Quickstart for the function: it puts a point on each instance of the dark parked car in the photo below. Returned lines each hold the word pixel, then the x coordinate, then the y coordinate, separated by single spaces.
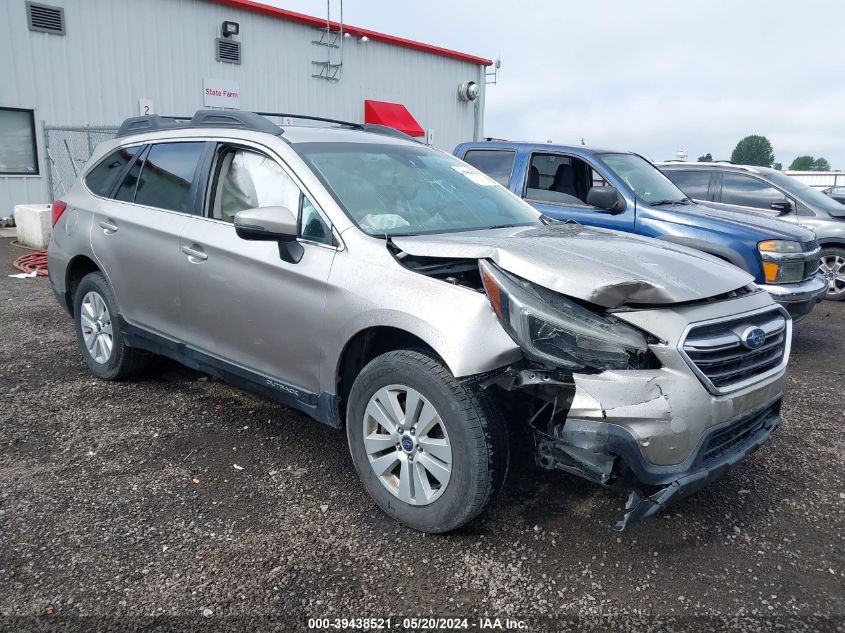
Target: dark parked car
pixel 765 192
pixel 837 193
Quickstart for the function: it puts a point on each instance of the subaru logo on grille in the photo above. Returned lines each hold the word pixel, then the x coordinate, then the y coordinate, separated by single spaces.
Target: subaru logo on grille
pixel 753 337
pixel 407 443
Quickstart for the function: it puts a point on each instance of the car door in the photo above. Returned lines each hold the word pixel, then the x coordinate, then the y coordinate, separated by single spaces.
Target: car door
pixel 557 184
pixel 745 192
pixel 135 233
pixel 243 304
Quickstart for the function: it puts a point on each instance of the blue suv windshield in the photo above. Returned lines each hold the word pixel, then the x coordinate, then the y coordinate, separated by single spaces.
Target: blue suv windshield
pixel 390 190
pixel 645 179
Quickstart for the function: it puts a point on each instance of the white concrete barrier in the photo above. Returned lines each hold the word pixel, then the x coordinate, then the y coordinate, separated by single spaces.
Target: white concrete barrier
pixel 34 223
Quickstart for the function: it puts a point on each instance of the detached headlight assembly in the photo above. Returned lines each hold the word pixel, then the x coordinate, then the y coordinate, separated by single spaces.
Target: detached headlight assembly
pixel 554 330
pixel 783 261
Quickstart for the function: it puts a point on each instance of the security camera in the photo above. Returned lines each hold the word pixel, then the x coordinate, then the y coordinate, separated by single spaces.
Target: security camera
pixel 468 91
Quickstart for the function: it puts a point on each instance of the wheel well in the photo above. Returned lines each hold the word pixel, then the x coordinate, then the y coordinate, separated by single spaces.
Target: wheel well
pixel 364 347
pixel 78 267
pixel 831 244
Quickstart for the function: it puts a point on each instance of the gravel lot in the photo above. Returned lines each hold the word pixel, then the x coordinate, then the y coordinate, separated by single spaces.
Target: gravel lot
pixel 179 497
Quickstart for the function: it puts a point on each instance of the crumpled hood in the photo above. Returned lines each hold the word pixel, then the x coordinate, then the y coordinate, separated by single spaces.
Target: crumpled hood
pixel 607 268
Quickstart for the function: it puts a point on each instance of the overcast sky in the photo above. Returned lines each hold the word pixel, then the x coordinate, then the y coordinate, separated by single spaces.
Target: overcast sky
pixel 650 76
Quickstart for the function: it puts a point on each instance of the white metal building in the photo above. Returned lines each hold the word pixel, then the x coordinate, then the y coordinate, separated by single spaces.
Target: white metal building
pixel 818 179
pixel 81 63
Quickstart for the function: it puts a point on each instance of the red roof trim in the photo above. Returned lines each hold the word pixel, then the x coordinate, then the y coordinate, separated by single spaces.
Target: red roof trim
pixel 293 16
pixel 393 115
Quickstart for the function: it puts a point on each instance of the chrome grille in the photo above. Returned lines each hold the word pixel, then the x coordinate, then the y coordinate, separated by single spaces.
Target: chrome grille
pixel 811 262
pixel 716 352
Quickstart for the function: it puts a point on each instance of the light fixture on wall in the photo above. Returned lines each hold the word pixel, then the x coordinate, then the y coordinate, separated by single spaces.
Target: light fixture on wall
pixel 364 39
pixel 228 29
pixel 468 91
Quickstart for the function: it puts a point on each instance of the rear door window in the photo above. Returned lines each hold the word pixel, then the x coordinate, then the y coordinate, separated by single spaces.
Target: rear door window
pixel 498 164
pixel 102 179
pixel 746 191
pixel 167 175
pixel 693 183
pixel 126 191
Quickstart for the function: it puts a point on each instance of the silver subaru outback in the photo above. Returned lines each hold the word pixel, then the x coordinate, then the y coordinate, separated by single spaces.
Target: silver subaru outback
pixel 387 288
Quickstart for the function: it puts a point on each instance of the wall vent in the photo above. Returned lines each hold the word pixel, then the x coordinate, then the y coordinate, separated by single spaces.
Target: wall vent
pixel 228 51
pixel 45 18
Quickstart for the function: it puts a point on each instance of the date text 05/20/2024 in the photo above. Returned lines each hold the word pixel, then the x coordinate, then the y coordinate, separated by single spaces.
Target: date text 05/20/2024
pixel 411 624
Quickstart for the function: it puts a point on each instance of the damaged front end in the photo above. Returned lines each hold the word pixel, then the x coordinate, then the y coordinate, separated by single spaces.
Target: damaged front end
pixel 601 405
pixel 603 449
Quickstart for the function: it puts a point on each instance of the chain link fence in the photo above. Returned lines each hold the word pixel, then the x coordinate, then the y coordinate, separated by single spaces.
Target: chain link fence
pixel 68 149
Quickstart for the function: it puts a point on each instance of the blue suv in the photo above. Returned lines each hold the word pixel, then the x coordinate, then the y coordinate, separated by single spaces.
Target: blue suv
pixel 625 192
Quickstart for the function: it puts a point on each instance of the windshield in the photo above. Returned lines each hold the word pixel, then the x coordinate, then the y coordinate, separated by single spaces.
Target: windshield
pixel 644 178
pixel 805 193
pixel 400 190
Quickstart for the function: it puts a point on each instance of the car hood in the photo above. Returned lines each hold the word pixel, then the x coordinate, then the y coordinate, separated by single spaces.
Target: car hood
pixel 764 226
pixel 607 268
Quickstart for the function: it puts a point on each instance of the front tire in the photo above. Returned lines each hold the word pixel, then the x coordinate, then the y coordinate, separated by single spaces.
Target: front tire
pixel 96 319
pixel 833 269
pixel 432 451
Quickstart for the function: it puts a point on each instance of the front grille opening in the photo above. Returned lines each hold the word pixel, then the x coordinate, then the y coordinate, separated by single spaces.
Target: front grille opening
pixel 720 354
pixel 735 435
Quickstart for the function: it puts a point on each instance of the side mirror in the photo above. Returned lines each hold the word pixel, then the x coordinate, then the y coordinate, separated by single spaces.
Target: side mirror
pixel 604 199
pixel 276 224
pixel 783 206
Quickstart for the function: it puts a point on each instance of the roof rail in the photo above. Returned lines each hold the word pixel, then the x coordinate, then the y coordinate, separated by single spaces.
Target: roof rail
pixel 234 118
pixel 149 123
pixel 239 119
pixel 202 118
pixel 375 128
pixel 309 117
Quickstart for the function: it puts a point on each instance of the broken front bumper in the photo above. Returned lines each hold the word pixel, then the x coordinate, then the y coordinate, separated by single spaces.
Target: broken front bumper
pixel 661 432
pixel 603 452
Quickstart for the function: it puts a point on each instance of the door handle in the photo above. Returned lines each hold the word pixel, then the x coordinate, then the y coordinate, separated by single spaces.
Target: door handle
pixel 194 252
pixel 108 226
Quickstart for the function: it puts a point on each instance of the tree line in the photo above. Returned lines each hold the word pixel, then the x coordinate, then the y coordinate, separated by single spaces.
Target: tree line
pixel 757 150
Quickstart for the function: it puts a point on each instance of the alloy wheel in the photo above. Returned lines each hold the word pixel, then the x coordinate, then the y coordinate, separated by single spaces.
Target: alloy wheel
pixel 832 269
pixel 96 324
pixel 407 444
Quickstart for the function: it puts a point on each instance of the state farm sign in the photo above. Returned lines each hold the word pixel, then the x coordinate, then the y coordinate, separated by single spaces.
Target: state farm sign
pixel 217 93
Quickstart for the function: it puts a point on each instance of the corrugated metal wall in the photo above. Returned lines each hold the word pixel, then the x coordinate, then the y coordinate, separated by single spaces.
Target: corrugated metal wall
pixel 116 52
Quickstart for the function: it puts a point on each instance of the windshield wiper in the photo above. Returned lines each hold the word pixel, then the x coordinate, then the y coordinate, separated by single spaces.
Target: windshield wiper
pixel 662 202
pixel 502 226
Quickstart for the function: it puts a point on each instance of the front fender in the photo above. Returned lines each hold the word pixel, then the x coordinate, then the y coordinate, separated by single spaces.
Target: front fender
pixel 456 322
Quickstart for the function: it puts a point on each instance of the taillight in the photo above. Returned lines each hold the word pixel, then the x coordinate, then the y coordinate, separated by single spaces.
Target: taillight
pixel 58 208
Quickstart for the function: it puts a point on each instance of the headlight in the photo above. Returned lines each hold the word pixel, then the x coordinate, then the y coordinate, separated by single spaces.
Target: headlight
pixel 782 261
pixel 552 329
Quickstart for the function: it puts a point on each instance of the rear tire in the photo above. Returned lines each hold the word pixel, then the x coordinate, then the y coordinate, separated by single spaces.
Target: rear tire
pixel 96 319
pixel 833 268
pixel 455 427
